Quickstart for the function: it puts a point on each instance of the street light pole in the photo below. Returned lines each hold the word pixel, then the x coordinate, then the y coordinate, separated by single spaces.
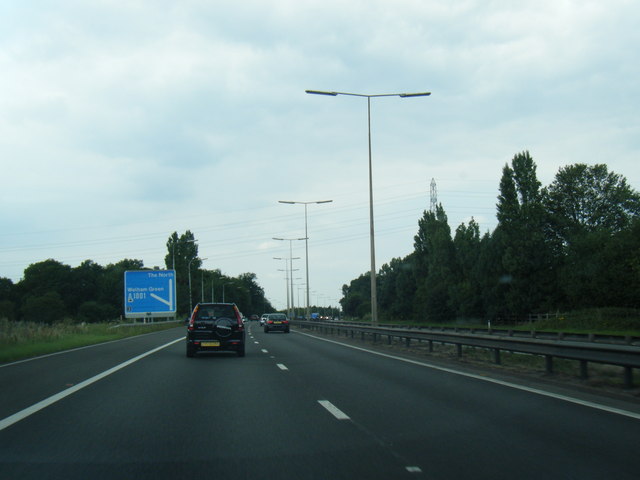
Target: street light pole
pixel 374 300
pixel 292 259
pixel 286 276
pixel 306 242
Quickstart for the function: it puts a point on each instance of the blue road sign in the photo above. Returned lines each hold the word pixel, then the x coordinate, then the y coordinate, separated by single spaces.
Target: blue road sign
pixel 149 293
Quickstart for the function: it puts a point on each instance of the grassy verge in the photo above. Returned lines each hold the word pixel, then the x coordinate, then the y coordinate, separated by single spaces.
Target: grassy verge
pixel 19 340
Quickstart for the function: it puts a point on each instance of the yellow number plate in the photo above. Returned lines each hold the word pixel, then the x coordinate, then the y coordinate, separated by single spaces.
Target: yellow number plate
pixel 210 344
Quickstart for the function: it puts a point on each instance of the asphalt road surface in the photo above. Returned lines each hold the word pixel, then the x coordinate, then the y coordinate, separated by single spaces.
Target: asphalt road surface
pixel 296 407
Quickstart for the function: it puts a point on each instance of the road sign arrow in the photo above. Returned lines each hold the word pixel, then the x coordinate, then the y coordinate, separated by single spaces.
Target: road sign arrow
pixel 168 302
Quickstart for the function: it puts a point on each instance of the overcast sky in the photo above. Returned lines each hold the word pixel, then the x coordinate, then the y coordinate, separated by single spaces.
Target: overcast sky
pixel 124 121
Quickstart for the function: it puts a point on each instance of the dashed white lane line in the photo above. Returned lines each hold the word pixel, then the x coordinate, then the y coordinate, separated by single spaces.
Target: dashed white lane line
pixel 16 417
pixel 412 469
pixel 264 350
pixel 282 366
pixel 333 410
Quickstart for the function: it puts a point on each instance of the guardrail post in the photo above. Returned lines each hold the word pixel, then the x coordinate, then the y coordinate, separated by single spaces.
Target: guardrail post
pixel 459 349
pixel 548 360
pixel 628 377
pixel 430 346
pixel 407 342
pixel 389 337
pixel 362 336
pixel 496 356
pixel 584 369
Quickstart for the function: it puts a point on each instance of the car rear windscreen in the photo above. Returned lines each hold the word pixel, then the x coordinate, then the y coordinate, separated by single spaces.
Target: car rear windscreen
pixel 216 311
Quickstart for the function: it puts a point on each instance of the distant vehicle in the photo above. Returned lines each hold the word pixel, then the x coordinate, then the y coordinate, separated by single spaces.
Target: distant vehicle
pixel 215 327
pixel 253 317
pixel 276 322
pixel 263 319
pixel 315 316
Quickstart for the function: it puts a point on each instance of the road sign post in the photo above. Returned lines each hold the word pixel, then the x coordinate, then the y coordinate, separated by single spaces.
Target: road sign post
pixel 149 293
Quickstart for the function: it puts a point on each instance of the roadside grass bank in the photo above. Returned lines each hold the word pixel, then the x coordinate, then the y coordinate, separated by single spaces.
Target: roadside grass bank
pixel 20 340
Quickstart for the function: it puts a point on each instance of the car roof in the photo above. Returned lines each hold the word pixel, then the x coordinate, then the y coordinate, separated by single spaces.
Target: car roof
pixel 209 304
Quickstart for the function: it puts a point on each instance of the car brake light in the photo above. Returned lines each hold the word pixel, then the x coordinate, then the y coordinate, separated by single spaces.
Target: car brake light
pixel 239 319
pixel 270 321
pixel 192 319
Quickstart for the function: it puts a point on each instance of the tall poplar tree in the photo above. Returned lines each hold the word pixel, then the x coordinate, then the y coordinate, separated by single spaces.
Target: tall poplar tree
pixel 436 266
pixel 526 257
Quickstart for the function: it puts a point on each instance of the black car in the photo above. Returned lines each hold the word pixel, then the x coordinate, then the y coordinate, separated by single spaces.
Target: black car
pixel 276 322
pixel 215 327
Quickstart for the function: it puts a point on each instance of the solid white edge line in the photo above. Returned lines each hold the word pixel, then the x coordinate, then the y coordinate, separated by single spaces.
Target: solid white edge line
pixel 557 396
pixel 21 415
pixel 333 410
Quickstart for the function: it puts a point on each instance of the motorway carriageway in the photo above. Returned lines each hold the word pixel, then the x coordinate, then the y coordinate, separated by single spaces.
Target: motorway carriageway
pixel 296 407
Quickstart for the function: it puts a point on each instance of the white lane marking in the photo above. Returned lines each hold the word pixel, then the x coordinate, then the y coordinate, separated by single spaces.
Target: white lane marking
pixel 412 469
pixel 333 410
pixel 21 415
pixel 281 366
pixel 257 343
pixel 264 350
pixel 557 396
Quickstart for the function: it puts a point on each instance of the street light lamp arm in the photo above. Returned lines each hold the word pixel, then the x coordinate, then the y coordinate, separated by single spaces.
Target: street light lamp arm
pixel 291 202
pixel 319 92
pixel 423 94
pixel 403 95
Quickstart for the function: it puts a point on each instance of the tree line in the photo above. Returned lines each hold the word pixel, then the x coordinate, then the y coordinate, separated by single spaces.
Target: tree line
pixel 51 291
pixel 569 246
